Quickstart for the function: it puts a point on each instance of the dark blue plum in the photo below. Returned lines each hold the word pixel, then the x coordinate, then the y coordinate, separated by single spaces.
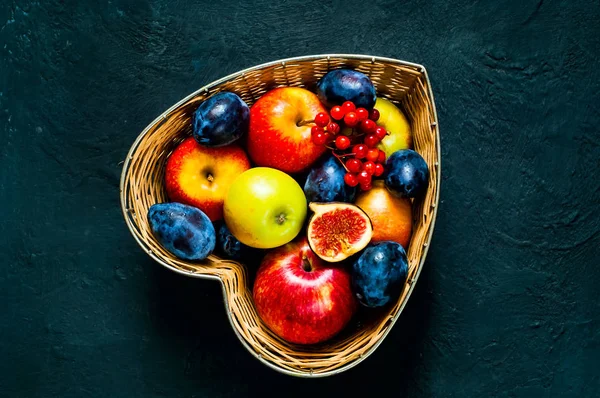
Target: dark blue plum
pixel 407 174
pixel 183 230
pixel 227 245
pixel 379 274
pixel 325 182
pixel 220 120
pixel 341 85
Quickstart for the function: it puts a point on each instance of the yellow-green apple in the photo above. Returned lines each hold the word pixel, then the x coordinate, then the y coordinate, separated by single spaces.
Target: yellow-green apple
pixel 279 132
pixel 200 176
pixel 394 121
pixel 264 208
pixel 391 216
pixel 301 298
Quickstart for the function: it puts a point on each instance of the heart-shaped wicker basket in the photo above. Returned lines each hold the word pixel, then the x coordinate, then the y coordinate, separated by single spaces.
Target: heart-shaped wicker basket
pixel 142 185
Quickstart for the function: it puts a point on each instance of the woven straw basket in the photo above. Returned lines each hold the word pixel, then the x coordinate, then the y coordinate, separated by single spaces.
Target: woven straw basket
pixel 142 185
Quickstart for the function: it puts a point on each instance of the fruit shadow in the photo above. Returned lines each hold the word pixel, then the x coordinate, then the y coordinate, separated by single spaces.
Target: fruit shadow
pixel 189 327
pixel 190 323
pixel 397 363
pixel 182 306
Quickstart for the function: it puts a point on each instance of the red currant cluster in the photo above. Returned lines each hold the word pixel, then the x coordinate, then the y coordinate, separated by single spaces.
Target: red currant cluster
pixel 354 147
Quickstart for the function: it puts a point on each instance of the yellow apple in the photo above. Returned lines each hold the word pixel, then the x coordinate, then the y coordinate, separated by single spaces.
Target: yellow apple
pixel 264 208
pixel 393 120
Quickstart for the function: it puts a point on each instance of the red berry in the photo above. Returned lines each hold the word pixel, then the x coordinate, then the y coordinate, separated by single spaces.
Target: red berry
pixel 319 138
pixel 364 177
pixel 351 179
pixel 362 114
pixel 366 186
pixel 329 137
pixel 321 119
pixel 360 151
pixel 342 142
pixel 350 119
pixel 381 158
pixel 333 128
pixel 368 126
pixel 378 170
pixel 374 115
pixel 348 107
pixel 354 165
pixel 316 129
pixel 369 167
pixel 337 113
pixel 380 132
pixel 371 140
pixel 373 154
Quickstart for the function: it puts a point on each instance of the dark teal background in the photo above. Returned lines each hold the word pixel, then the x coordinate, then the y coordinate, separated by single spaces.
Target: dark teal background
pixel 507 305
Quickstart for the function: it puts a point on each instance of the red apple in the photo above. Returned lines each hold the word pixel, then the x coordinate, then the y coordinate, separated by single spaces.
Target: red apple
pixel 279 132
pixel 200 176
pixel 301 298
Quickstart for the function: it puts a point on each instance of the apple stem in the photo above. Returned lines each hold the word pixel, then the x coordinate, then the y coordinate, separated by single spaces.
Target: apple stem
pixel 280 219
pixel 306 266
pixel 210 178
pixel 304 122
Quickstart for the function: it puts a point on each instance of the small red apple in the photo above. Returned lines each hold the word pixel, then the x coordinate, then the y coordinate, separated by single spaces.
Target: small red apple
pixel 301 298
pixel 279 131
pixel 200 176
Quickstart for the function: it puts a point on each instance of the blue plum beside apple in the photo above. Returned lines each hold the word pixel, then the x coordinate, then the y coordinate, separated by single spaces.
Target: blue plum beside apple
pixel 325 182
pixel 406 174
pixel 183 230
pixel 221 120
pixel 379 273
pixel 228 245
pixel 341 85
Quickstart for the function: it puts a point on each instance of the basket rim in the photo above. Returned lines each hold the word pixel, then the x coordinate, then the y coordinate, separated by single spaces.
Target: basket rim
pixel 163 116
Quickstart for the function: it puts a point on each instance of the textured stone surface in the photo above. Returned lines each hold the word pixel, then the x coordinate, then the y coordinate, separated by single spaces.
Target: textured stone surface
pixel 508 302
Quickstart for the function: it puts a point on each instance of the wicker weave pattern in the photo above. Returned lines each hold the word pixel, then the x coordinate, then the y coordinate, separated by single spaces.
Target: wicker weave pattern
pixel 142 186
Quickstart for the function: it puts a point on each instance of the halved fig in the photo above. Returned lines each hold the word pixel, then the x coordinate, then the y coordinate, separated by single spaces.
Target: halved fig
pixel 338 230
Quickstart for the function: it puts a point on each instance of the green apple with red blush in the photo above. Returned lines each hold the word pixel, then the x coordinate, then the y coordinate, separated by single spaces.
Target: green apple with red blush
pixel 200 176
